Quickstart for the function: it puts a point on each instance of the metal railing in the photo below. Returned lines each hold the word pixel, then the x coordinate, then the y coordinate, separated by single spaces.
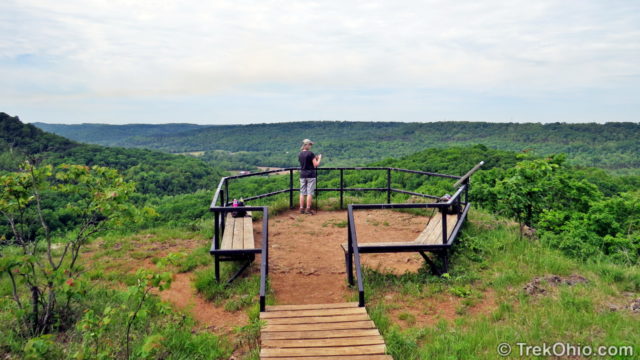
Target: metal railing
pixel 353 249
pixel 222 197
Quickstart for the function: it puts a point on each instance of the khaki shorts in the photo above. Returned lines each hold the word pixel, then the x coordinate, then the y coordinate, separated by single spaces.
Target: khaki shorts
pixel 307 186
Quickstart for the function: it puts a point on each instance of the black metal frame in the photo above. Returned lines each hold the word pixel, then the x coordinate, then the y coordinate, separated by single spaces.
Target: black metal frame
pixel 352 255
pixel 246 255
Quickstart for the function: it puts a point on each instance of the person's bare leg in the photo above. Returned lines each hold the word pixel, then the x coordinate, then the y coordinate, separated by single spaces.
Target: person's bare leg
pixel 301 202
pixel 309 202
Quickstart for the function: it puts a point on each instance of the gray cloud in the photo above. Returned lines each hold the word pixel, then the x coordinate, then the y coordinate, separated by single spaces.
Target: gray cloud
pixel 157 49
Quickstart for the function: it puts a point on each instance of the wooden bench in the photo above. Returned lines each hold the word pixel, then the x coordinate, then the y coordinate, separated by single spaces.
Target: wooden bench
pixel 430 239
pixel 238 243
pixel 238 233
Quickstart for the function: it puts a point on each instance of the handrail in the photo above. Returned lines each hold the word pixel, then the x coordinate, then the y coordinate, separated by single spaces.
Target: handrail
pixel 225 181
pixel 221 194
pixel 456 195
pixel 356 254
pixel 468 174
pixel 214 201
pixel 231 208
pixel 426 173
pixel 264 261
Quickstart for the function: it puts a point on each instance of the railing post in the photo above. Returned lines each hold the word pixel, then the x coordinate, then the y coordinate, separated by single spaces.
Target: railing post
pixel 316 193
pixel 466 191
pixel 444 225
pixel 216 243
pixel 388 186
pixel 226 191
pixel 290 188
pixel 264 261
pixel 221 223
pixel 349 254
pixel 341 189
pixel 265 216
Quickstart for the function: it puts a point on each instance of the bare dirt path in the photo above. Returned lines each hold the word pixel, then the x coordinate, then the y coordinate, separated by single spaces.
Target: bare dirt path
pixel 214 318
pixel 306 260
pixel 182 294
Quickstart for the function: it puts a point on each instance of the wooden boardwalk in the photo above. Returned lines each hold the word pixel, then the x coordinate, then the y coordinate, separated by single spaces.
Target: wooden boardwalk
pixel 341 331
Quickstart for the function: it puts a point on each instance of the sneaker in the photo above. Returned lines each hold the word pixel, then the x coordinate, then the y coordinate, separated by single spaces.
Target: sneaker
pixel 309 212
pixel 302 211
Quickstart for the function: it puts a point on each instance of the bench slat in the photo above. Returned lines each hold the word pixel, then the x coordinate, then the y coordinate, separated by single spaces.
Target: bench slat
pixel 238 233
pixel 249 242
pixel 432 232
pixel 227 238
pixel 238 229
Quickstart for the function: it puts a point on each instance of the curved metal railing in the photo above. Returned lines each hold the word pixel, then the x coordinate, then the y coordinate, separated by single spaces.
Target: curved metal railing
pixel 220 205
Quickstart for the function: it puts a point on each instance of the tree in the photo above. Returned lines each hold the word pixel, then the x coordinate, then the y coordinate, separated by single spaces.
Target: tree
pixel 535 186
pixel 43 274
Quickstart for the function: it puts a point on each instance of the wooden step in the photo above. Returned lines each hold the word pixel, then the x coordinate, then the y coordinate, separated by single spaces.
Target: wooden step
pixel 314 312
pixel 312 306
pixel 343 357
pixel 307 343
pixel 319 319
pixel 317 334
pixel 320 331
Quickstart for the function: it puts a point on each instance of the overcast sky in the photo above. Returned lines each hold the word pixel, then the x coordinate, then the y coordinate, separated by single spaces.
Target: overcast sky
pixel 221 62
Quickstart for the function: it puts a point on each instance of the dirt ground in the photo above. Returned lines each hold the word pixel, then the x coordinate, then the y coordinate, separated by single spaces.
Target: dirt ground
pixel 307 262
pixel 183 295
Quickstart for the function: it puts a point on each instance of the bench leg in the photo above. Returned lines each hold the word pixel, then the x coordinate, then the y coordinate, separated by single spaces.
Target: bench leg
pixel 243 268
pixel 445 261
pixel 216 262
pixel 348 261
pixel 431 264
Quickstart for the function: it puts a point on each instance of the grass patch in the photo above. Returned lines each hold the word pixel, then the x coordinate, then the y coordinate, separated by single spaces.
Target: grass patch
pixel 491 257
pixel 241 293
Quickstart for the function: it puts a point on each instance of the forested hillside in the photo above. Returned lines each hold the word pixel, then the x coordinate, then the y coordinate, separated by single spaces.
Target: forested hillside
pixel 154 172
pixel 110 135
pixel 142 223
pixel 612 146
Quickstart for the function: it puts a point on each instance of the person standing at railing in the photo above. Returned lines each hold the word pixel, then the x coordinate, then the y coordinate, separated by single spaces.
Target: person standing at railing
pixel 308 174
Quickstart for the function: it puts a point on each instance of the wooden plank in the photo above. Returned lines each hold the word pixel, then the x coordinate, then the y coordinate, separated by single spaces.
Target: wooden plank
pixel 238 229
pixel 316 312
pixel 434 226
pixel 325 351
pixel 317 334
pixel 227 238
pixel 452 221
pixel 345 357
pixel 248 233
pixel 312 306
pixel 319 319
pixel 324 326
pixel 309 343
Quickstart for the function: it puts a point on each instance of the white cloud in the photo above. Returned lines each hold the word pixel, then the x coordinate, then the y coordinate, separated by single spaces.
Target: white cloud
pixel 120 49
